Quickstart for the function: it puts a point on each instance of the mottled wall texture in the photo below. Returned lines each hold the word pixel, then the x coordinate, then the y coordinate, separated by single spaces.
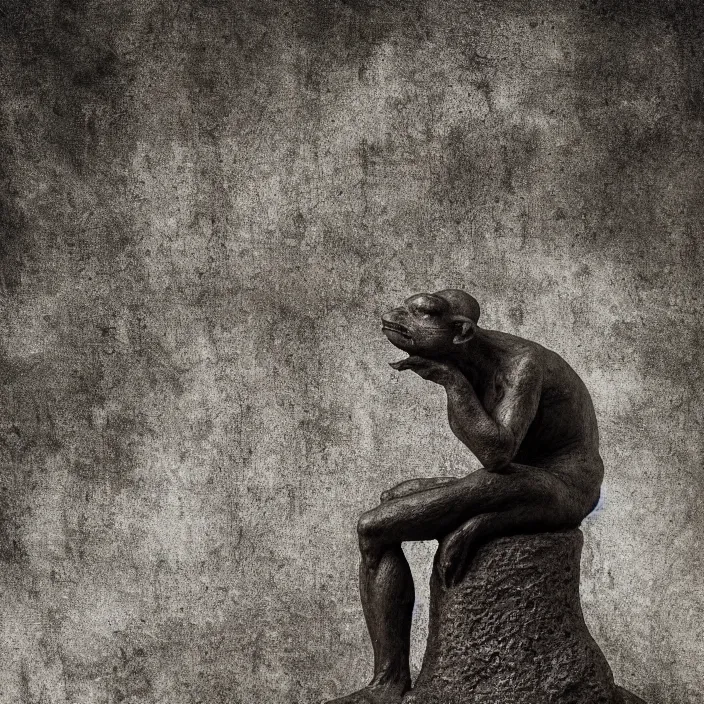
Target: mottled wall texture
pixel 205 206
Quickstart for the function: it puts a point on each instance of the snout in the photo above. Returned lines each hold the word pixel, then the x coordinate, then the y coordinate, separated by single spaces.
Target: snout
pixel 392 325
pixel 394 320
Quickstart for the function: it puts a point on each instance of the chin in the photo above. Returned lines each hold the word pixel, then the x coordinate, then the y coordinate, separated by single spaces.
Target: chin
pixel 397 339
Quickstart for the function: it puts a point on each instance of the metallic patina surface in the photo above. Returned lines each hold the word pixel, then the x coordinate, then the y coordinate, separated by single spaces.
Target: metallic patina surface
pixel 528 418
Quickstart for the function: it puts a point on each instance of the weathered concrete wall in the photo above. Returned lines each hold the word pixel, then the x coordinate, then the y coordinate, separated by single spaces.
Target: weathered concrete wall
pixel 205 207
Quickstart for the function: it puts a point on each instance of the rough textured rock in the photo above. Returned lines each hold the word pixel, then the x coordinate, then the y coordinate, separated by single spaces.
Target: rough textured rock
pixel 513 631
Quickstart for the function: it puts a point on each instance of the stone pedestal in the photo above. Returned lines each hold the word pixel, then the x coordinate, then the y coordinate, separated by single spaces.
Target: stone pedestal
pixel 513 632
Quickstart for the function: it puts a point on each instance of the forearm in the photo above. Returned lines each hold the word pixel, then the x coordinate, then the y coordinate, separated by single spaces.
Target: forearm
pixel 493 445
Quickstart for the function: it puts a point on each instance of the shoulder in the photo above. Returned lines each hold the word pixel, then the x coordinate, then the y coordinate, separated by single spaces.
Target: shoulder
pixel 529 361
pixel 523 371
pixel 520 361
pixel 526 370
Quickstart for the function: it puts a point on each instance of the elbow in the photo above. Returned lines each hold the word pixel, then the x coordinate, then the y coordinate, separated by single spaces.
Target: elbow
pixel 496 463
pixel 500 455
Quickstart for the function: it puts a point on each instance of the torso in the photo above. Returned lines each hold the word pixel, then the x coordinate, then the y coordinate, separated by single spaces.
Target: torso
pixel 563 436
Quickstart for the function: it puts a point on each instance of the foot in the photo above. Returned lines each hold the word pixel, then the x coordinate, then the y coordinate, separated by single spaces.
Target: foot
pixel 456 550
pixel 391 693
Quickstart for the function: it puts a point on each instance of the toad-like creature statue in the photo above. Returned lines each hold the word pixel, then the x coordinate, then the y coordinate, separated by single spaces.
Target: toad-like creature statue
pixel 528 418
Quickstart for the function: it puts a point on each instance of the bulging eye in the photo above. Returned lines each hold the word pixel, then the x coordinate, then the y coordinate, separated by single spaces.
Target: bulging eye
pixel 428 306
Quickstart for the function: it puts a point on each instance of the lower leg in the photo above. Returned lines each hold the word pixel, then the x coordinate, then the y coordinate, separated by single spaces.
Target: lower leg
pixel 386 589
pixel 387 594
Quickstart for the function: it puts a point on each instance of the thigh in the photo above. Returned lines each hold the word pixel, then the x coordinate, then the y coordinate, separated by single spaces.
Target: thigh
pixel 431 514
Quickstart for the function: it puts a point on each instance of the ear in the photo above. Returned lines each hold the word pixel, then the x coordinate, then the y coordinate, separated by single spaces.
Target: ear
pixel 465 328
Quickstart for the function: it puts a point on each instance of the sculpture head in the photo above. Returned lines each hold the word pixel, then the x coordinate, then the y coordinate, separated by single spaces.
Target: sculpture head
pixel 432 324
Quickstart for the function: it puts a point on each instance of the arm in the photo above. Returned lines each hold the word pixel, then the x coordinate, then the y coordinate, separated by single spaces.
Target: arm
pixel 494 439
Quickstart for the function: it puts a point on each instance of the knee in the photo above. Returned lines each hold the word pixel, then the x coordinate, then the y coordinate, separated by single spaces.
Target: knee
pixel 370 543
pixel 367 525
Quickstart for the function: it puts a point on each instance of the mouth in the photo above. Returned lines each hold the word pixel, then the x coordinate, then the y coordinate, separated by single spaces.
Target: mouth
pixel 388 326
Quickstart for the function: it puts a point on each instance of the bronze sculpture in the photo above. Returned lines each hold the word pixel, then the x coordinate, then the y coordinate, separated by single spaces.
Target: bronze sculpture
pixel 529 419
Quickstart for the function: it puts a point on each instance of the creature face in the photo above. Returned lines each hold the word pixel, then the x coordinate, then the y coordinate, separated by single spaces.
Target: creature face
pixel 427 325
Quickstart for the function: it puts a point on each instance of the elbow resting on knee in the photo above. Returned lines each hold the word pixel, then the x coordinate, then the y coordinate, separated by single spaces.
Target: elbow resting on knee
pixel 497 462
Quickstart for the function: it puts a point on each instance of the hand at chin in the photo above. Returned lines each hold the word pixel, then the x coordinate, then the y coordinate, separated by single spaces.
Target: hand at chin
pixel 430 369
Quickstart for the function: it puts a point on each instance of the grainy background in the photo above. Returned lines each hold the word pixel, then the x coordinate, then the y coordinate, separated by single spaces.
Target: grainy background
pixel 205 207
